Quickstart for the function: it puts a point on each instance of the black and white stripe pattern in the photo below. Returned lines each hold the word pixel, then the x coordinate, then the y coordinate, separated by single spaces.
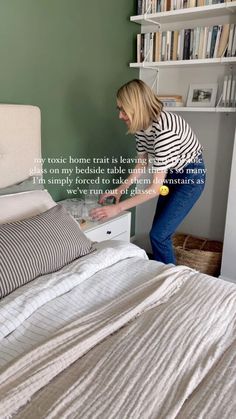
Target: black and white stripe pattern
pixel 169 141
pixel 37 246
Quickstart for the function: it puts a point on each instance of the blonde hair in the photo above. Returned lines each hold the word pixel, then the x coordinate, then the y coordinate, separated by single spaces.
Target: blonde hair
pixel 140 104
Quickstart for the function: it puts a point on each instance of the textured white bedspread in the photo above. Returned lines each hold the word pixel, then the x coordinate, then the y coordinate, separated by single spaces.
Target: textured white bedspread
pixel 33 312
pixel 163 348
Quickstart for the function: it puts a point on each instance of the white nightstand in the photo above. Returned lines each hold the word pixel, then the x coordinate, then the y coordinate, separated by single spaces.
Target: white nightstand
pixel 116 228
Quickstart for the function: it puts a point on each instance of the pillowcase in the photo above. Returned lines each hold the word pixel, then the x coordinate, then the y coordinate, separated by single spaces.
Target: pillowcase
pixel 30 184
pixel 23 205
pixel 38 246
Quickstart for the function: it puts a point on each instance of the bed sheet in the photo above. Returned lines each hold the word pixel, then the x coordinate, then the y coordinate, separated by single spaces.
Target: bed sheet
pixel 148 341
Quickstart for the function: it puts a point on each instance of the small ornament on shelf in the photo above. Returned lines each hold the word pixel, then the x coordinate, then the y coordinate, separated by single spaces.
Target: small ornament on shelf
pixel 171 100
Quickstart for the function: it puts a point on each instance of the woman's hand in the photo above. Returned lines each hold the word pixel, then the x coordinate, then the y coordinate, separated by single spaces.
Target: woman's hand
pixel 116 194
pixel 106 211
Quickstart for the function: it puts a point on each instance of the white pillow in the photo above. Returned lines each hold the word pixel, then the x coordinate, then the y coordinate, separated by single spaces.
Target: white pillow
pixel 18 206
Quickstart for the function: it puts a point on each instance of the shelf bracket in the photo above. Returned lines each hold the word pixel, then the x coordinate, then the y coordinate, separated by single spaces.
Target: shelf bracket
pixel 146 57
pixel 155 83
pixel 147 19
pixel 151 21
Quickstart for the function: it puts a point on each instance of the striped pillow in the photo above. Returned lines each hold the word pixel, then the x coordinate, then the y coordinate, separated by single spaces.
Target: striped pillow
pixel 37 246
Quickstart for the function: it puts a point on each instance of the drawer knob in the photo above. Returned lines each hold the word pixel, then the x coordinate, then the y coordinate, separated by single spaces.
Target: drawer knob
pixel 109 232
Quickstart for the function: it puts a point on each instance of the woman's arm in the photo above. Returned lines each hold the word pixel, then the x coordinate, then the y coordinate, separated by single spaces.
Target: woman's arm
pixel 150 192
pixel 132 178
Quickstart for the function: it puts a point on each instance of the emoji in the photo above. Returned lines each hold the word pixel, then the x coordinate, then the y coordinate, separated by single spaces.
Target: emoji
pixel 164 190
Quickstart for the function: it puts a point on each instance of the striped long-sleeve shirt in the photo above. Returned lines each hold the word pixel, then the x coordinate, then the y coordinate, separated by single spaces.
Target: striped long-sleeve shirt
pixel 170 142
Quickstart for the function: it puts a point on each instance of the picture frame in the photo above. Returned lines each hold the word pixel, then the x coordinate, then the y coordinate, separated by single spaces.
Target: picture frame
pixel 202 95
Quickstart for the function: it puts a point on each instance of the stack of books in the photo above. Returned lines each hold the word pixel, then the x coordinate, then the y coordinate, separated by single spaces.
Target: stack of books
pixel 171 100
pixel 228 96
pixel 186 44
pixel 157 6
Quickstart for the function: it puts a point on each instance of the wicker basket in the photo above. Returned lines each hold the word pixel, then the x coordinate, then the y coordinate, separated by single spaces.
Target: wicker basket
pixel 201 254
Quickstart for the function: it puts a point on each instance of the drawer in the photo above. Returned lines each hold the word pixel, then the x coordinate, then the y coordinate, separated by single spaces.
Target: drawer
pixel 117 228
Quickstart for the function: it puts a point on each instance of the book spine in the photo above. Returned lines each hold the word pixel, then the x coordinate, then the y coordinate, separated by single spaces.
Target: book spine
pixel 168 45
pixel 139 48
pixel 224 90
pixel 213 40
pixel 233 52
pixel 233 92
pixel 151 47
pixel 230 42
pixel 142 54
pixel 201 42
pixel 196 42
pixel 186 47
pixel 208 48
pixel 223 40
pixel 228 91
pixel 139 7
pixel 206 30
pixel 217 41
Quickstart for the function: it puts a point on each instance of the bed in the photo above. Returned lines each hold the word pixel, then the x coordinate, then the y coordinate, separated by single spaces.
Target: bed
pixel 107 333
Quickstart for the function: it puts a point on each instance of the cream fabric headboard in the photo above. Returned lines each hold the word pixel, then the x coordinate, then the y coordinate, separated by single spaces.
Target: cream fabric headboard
pixel 20 142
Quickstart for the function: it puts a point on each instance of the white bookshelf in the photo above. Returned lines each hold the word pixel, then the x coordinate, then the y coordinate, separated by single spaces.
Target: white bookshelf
pixel 180 63
pixel 214 126
pixel 193 13
pixel 199 109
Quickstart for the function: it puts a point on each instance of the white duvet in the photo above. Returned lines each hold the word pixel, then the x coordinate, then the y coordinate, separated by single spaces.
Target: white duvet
pixel 157 342
pixel 41 307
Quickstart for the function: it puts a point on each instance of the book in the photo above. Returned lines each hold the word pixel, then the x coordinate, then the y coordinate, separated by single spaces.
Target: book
pixel 233 93
pixel 157 53
pixel 142 56
pixel 213 40
pixel 208 47
pixel 180 45
pixel 139 7
pixel 223 40
pixel 225 82
pixel 186 46
pixel 168 45
pixel 206 30
pixel 151 47
pixel 228 90
pixel 170 97
pixel 201 43
pixel 175 45
pixel 233 52
pixel 139 48
pixel 163 46
pixel 219 32
pixel 171 100
pixel 230 41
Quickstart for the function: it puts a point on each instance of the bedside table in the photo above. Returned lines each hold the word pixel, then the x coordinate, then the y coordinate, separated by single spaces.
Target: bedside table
pixel 116 228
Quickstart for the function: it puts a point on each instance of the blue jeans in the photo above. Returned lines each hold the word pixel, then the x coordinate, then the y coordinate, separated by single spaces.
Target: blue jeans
pixel 185 187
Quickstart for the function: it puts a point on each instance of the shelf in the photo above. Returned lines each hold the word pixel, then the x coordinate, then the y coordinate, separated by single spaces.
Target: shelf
pixel 222 9
pixel 180 63
pixel 200 109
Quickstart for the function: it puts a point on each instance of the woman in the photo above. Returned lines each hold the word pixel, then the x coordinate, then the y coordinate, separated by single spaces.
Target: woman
pixel 177 163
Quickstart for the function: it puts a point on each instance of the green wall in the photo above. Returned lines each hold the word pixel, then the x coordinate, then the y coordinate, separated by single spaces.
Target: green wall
pixel 69 57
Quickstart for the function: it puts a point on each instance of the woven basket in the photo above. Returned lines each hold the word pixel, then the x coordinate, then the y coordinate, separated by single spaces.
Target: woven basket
pixel 201 254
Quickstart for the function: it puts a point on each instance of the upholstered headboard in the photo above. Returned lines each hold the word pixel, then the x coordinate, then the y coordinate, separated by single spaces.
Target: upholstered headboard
pixel 20 142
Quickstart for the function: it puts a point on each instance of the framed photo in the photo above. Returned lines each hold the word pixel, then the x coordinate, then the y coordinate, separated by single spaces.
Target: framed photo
pixel 202 95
